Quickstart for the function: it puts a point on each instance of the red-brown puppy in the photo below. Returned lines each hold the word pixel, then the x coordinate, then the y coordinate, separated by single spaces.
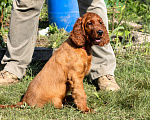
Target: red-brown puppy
pixel 67 67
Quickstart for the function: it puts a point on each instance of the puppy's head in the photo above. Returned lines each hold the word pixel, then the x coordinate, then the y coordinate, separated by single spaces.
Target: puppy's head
pixel 89 27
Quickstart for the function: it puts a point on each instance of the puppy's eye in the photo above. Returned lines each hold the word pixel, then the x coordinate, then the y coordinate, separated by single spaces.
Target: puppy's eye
pixel 89 23
pixel 100 22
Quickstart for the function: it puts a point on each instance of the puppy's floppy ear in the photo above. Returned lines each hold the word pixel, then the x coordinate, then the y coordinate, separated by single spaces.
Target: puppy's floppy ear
pixel 77 34
pixel 105 39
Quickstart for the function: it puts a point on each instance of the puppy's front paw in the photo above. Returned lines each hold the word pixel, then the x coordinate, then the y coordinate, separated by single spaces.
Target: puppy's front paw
pixel 87 110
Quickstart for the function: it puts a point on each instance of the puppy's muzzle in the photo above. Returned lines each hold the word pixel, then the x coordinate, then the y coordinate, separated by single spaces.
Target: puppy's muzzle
pixel 100 32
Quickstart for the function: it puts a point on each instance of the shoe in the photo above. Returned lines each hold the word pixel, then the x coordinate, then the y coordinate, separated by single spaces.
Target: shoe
pixel 7 78
pixel 108 83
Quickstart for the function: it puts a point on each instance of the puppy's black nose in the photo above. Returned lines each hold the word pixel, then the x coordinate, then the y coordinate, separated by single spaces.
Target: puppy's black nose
pixel 99 32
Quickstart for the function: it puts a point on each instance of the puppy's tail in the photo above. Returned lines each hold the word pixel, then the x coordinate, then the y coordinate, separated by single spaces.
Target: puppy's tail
pixel 18 105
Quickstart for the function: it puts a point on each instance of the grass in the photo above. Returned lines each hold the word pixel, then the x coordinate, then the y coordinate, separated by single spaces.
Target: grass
pixel 52 40
pixel 131 102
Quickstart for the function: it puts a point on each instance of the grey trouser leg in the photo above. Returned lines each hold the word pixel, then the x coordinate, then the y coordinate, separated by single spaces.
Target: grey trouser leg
pixel 22 35
pixel 103 60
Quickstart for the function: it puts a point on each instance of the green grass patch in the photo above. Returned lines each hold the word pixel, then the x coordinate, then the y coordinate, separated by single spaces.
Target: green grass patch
pixel 131 102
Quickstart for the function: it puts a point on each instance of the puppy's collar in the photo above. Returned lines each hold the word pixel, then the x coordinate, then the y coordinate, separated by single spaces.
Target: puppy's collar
pixel 83 48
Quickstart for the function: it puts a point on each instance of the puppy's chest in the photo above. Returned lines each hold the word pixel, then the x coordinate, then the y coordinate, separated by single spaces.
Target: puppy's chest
pixel 88 64
pixel 85 60
pixel 78 61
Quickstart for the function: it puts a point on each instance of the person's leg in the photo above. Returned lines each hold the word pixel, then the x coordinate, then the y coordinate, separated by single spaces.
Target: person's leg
pixel 22 36
pixel 103 59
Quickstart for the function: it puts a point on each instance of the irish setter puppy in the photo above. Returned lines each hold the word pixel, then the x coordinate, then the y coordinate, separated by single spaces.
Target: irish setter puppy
pixel 67 67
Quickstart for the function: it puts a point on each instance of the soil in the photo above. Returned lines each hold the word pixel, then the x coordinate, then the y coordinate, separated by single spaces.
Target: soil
pixel 41 42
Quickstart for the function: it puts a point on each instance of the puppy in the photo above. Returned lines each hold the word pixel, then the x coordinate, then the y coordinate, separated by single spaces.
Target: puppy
pixel 67 67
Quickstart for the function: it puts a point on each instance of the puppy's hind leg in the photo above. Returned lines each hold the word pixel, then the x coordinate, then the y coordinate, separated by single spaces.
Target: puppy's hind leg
pixel 57 102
